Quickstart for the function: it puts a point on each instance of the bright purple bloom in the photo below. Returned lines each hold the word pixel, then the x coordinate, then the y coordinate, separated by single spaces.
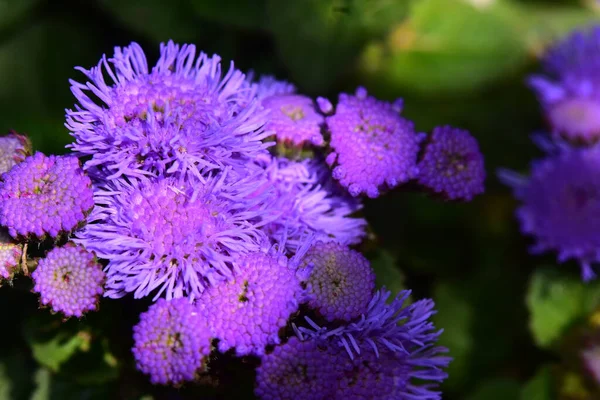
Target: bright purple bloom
pixel 173 237
pixel 171 342
pixel 342 281
pixel 45 195
pixel 452 164
pixel 247 312
pixel 13 149
pixel 561 205
pixel 10 255
pixel 297 370
pixel 69 280
pixel 373 146
pixel 268 86
pixel 387 329
pixel 182 116
pixel 294 119
pixel 569 90
pixel 309 203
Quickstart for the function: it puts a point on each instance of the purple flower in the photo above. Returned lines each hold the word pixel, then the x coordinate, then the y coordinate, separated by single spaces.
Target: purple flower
pixel 372 146
pixel 268 86
pixel 569 90
pixel 247 312
pixel 183 116
pixel 452 164
pixel 294 119
pixel 171 342
pixel 392 330
pixel 342 281
pixel 296 370
pixel 13 149
pixel 10 255
pixel 69 280
pixel 45 195
pixel 561 205
pixel 307 202
pixel 173 237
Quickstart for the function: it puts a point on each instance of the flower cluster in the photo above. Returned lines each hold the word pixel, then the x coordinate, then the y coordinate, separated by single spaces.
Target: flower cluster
pixel 231 204
pixel 560 199
pixel 13 149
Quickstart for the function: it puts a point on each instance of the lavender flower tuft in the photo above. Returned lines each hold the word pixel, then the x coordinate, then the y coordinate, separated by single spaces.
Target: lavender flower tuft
pixel 342 281
pixel 247 312
pixel 10 256
pixel 45 195
pixel 13 149
pixel 372 146
pixel 69 280
pixel 171 342
pixel 452 164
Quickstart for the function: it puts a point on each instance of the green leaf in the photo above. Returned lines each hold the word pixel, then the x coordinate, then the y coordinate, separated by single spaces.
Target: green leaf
pixel 239 13
pixel 43 380
pixel 556 302
pixel 448 46
pixel 157 19
pixel 497 389
pixel 5 382
pixel 59 349
pixel 387 272
pixel 540 387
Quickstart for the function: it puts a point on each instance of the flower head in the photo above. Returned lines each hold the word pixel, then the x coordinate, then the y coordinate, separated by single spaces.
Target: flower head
pixel 268 86
pixel 247 312
pixel 569 90
pixel 13 149
pixel 561 205
pixel 173 237
pixel 70 280
pixel 342 281
pixel 452 164
pixel 394 333
pixel 171 342
pixel 294 119
pixel 307 202
pixel 296 370
pixel 45 195
pixel 373 147
pixel 182 116
pixel 10 255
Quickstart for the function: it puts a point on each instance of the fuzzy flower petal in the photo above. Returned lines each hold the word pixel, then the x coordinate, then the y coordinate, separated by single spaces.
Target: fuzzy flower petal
pixel 561 205
pixel 171 342
pixel 247 312
pixel 45 195
pixel 182 116
pixel 10 255
pixel 268 86
pixel 452 164
pixel 13 149
pixel 342 281
pixel 69 280
pixel 168 237
pixel 294 119
pixel 373 147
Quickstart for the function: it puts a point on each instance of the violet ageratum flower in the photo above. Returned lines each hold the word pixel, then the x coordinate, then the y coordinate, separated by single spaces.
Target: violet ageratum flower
pixel 268 86
pixel 342 281
pixel 561 205
pixel 69 280
pixel 373 147
pixel 392 327
pixel 247 311
pixel 45 195
pixel 294 119
pixel 569 90
pixel 452 164
pixel 13 149
pixel 171 237
pixel 307 202
pixel 171 342
pixel 296 370
pixel 10 256
pixel 181 116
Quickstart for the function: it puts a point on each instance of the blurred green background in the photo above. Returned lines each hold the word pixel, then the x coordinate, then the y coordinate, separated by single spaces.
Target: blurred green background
pixel 515 324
